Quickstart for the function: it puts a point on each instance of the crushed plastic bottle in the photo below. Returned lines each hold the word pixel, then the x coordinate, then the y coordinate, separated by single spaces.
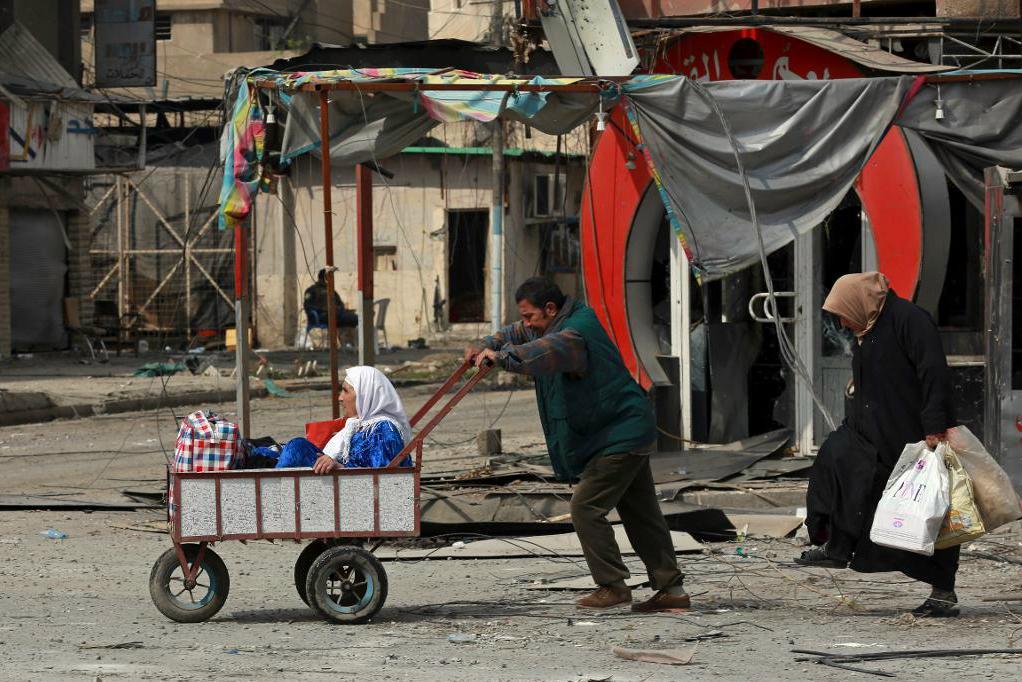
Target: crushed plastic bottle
pixel 54 534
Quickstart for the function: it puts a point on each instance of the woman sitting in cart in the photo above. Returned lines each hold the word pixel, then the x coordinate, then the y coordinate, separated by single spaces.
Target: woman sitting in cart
pixel 376 428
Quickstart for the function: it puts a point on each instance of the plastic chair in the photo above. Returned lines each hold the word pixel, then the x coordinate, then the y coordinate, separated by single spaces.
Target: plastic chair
pixel 380 325
pixel 313 321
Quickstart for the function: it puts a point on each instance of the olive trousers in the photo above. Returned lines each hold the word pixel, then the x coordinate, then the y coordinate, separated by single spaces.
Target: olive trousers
pixel 623 482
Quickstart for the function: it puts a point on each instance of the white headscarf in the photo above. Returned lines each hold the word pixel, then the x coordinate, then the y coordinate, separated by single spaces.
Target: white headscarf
pixel 375 401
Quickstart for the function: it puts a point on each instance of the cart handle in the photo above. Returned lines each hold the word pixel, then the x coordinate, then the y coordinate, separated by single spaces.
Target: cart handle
pixel 441 392
pixel 416 442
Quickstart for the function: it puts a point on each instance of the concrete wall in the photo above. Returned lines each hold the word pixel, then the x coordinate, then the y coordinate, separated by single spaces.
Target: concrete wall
pixel 410 214
pixel 468 19
pixel 987 9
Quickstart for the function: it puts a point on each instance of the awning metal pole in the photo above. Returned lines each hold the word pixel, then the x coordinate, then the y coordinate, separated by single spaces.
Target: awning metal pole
pixel 497 230
pixel 241 328
pixel 328 235
pixel 364 212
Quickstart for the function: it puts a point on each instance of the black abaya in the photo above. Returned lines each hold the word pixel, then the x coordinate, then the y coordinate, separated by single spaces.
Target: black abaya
pixel 902 393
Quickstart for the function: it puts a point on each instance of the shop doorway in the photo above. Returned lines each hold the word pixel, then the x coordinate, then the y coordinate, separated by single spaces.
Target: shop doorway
pixel 466 265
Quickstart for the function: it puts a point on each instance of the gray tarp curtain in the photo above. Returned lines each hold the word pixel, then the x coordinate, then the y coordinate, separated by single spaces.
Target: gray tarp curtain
pixel 802 145
pixel 363 127
pixel 982 127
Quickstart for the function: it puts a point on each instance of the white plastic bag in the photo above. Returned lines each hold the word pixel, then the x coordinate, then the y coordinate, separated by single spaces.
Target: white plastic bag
pixel 914 502
pixel 995 496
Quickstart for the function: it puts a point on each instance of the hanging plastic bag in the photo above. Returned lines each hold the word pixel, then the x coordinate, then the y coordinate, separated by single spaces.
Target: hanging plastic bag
pixel 915 501
pixel 963 522
pixel 996 499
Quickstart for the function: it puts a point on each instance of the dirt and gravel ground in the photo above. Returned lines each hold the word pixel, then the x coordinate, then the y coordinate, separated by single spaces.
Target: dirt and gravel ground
pixel 79 608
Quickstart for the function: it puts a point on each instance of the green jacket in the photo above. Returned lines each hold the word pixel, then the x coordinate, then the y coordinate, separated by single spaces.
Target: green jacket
pixel 599 410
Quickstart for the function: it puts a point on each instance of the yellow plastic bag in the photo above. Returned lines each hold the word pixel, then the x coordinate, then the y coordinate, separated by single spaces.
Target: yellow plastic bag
pixel 963 522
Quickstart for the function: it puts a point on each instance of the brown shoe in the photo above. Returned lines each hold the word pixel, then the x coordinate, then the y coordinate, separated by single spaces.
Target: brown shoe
pixel 663 601
pixel 605 597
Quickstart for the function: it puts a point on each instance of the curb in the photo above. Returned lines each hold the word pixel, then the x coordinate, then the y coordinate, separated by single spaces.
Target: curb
pixel 85 410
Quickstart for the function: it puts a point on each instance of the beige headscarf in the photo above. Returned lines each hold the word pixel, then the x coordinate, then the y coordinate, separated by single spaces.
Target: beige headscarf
pixel 859 298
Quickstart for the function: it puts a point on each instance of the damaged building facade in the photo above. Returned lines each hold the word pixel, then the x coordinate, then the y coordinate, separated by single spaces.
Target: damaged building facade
pixel 432 220
pixel 46 149
pixel 431 237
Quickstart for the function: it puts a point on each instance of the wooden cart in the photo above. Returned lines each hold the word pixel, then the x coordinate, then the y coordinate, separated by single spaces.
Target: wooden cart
pixel 340 512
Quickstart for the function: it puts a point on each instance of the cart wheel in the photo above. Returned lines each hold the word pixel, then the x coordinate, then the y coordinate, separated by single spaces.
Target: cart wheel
pixel 347 585
pixel 309 555
pixel 304 563
pixel 174 600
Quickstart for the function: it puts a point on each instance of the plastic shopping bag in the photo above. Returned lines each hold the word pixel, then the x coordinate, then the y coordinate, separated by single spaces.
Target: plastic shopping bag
pixel 995 496
pixel 915 501
pixel 963 522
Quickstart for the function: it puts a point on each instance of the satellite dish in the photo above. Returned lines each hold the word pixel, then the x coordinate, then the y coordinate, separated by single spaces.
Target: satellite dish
pixel 588 37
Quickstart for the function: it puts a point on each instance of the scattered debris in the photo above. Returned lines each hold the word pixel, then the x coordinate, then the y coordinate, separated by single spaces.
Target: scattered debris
pixel 580 583
pixel 562 545
pixel 903 619
pixel 144 527
pixel 842 660
pixel 273 389
pixel 46 503
pixel 119 645
pixel 770 525
pixel 716 462
pixel 664 656
pixel 307 369
pixel 993 557
pixel 462 638
pixel 858 645
pixel 160 369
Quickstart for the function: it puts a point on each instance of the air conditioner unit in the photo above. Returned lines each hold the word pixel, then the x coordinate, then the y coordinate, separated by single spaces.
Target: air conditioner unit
pixel 547 195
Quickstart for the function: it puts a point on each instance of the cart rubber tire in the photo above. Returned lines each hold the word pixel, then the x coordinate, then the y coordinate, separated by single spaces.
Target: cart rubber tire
pixel 309 555
pixel 213 568
pixel 347 585
pixel 304 563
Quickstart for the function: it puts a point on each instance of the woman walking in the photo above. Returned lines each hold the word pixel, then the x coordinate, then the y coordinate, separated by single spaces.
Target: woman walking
pixel 900 393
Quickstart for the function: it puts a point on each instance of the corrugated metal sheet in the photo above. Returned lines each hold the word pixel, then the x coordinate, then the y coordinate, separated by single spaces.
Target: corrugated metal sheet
pixel 24 57
pixel 51 135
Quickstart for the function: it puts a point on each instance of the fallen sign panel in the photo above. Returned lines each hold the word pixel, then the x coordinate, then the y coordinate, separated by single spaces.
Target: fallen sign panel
pixel 561 545
pixel 716 462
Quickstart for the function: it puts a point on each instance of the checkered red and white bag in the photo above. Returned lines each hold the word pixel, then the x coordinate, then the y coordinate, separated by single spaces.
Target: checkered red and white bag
pixel 205 442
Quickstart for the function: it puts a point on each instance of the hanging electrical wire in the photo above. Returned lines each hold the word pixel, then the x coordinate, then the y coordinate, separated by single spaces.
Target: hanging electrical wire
pixel 788 352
